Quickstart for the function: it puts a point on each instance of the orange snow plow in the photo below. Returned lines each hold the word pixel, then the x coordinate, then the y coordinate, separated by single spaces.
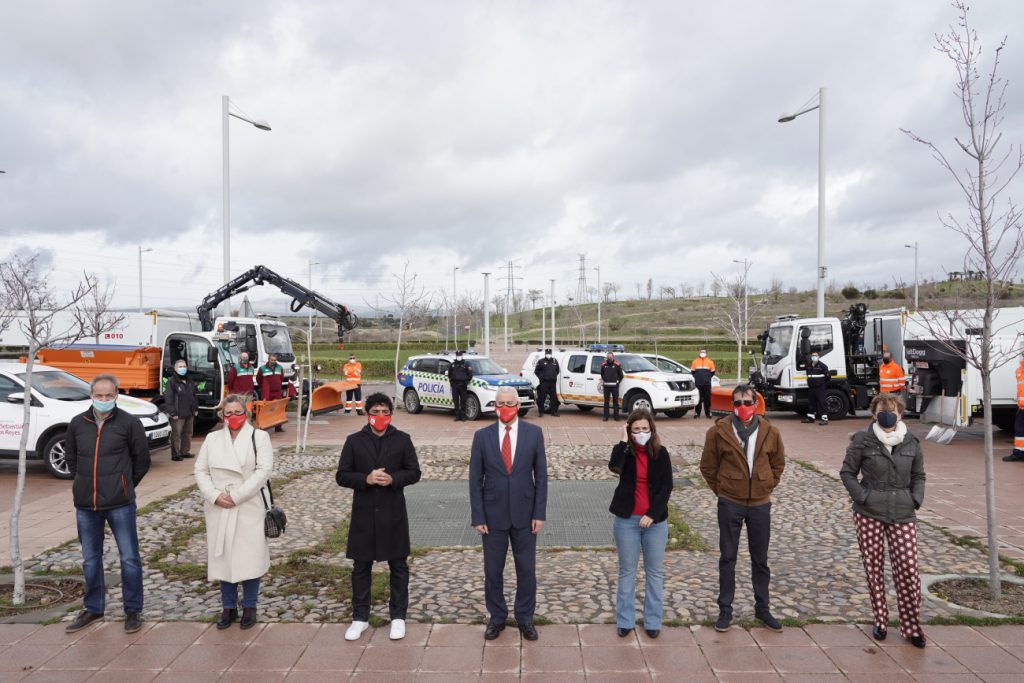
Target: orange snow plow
pixel 721 401
pixel 137 368
pixel 330 396
pixel 269 414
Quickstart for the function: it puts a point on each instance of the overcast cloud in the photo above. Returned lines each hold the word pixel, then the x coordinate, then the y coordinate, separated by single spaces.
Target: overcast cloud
pixel 471 133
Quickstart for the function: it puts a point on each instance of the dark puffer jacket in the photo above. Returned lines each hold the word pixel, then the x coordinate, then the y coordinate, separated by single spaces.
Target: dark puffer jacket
pixel 891 486
pixel 107 459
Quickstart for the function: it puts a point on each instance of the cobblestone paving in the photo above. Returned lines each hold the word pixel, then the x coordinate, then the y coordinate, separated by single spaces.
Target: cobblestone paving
pixel 816 570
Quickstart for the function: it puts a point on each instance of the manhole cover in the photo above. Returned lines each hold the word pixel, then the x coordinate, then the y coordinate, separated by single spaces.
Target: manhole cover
pixel 577 514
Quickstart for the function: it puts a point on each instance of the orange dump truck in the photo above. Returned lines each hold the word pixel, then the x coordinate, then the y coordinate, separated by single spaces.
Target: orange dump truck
pixel 136 367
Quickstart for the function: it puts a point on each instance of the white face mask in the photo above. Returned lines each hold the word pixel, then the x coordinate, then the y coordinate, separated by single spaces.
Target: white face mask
pixel 641 438
pixel 814 359
pixel 703 355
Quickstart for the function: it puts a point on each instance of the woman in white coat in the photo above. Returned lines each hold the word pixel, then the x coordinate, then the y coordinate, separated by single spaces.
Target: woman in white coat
pixel 233 466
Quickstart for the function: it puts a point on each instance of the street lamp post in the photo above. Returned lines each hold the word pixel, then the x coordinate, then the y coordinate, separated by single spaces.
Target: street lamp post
pixel 822 268
pixel 914 247
pixel 600 295
pixel 455 311
pixel 141 252
pixel 746 317
pixel 262 125
pixel 487 314
pixel 552 314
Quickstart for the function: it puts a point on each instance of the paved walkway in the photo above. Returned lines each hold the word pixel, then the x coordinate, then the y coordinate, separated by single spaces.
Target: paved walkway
pixel 195 653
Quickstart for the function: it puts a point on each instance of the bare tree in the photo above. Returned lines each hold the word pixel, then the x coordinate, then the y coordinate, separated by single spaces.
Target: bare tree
pixel 731 314
pixel 668 291
pixel 639 286
pixel 535 295
pixel 406 297
pixel 94 315
pixel 650 289
pixel 775 288
pixel 716 286
pixel 25 289
pixel 994 236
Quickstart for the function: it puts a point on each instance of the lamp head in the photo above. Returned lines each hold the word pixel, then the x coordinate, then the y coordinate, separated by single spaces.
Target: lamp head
pixel 262 125
pixel 786 118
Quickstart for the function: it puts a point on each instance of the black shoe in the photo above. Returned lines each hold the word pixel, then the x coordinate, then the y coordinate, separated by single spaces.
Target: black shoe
pixel 724 622
pixel 770 622
pixel 493 630
pixel 878 633
pixel 187 455
pixel 530 633
pixel 605 419
pixel 623 632
pixel 279 428
pixel 696 416
pixel 227 617
pixel 248 618
pixel 359 412
pixel 808 420
pixel 1016 456
pixel 708 416
pixel 824 422
pixel 82 620
pixel 652 632
pixel 132 622
pixel 918 642
pixel 616 418
pixel 176 458
pixel 456 419
pixel 556 414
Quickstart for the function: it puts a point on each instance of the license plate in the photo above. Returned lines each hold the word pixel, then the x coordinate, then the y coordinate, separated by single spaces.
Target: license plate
pixel 687 400
pixel 159 433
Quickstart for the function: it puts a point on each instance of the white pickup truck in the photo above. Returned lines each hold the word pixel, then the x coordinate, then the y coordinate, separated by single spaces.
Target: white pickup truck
pixel 644 385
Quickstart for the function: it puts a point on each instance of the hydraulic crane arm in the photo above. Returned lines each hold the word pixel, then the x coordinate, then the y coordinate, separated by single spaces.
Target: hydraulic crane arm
pixel 301 296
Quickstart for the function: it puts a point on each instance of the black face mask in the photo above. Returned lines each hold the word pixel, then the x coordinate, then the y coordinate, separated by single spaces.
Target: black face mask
pixel 271 365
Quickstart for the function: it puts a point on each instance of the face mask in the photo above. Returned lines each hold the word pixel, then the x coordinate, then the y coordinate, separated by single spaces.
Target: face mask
pixel 235 422
pixel 507 413
pixel 103 406
pixel 641 438
pixel 886 360
pixel 181 371
pixel 458 358
pixel 887 419
pixel 271 365
pixel 351 360
pixel 703 355
pixel 609 361
pixel 379 422
pixel 814 359
pixel 547 355
pixel 744 413
pixel 244 362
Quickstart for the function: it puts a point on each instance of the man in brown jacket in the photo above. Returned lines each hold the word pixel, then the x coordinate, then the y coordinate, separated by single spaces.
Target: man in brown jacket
pixel 742 462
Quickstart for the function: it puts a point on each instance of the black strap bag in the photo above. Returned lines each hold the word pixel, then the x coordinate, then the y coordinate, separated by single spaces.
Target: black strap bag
pixel 275 520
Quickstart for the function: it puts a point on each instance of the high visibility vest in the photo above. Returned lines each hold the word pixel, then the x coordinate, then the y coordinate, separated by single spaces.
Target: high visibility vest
pixel 702 364
pixel 353 371
pixel 1020 385
pixel 891 379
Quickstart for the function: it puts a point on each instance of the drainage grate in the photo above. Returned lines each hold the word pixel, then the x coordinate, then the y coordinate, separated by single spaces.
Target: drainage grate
pixel 577 514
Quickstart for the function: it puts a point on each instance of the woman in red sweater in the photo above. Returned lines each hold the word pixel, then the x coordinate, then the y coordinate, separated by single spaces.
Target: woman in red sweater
pixel 640 506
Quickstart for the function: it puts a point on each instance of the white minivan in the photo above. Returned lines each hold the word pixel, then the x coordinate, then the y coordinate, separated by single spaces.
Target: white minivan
pixel 56 398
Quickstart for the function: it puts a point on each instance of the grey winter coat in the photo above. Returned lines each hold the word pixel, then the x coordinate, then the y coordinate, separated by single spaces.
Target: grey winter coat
pixel 891 486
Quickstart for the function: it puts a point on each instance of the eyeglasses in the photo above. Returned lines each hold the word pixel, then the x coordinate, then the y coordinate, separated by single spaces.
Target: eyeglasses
pixel 747 402
pixel 641 431
pixel 380 412
pixel 507 404
pixel 234 414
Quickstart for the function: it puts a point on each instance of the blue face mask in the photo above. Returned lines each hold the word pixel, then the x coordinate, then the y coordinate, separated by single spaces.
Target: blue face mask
pixel 181 371
pixel 886 419
pixel 103 406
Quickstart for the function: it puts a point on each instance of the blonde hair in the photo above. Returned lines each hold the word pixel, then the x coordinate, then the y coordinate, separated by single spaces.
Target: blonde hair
pixel 234 398
pixel 891 402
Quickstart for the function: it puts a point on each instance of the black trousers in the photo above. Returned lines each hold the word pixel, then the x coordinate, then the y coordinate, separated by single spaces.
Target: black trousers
pixel 731 518
pixel 398 604
pixel 704 400
pixel 1018 431
pixel 816 402
pixel 613 392
pixel 459 390
pixel 524 554
pixel 546 390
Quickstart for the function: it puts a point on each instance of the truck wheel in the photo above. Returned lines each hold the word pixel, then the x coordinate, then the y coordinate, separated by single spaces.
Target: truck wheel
pixel 54 457
pixel 585 409
pixel 637 400
pixel 677 413
pixel 411 401
pixel 837 404
pixel 472 407
pixel 1003 419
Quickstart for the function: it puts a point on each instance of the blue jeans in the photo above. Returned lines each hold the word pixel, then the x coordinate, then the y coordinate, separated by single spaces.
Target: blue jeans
pixel 250 593
pixel 90 534
pixel 630 539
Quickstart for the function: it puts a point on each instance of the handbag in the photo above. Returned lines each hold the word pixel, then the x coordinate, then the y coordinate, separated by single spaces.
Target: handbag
pixel 274 521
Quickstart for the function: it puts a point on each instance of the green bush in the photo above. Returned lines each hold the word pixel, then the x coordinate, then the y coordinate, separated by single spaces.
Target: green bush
pixel 851 293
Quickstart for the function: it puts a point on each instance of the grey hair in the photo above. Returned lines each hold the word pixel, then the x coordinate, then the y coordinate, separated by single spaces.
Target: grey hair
pixel 506 390
pixel 105 378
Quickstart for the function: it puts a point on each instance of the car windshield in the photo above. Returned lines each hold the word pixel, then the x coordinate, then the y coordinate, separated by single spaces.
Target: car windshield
pixel 779 339
pixel 636 364
pixel 58 385
pixel 277 342
pixel 484 366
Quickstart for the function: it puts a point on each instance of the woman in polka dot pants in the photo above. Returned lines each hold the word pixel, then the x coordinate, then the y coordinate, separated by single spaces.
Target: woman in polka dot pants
pixel 884 474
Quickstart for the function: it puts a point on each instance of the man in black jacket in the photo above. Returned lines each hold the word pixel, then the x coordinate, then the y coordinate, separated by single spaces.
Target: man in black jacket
pixel 182 407
pixel 108 455
pixel 611 375
pixel 459 375
pixel 817 381
pixel 547 378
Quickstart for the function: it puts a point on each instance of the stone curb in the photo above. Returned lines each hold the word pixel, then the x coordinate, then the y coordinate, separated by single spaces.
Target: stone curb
pixel 39 616
pixel 928 580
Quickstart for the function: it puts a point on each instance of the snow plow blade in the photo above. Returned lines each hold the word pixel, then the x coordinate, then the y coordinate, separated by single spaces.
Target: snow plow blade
pixel 330 396
pixel 269 414
pixel 721 401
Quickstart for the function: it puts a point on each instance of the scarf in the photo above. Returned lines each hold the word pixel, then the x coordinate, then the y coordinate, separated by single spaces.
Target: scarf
pixel 745 430
pixel 890 439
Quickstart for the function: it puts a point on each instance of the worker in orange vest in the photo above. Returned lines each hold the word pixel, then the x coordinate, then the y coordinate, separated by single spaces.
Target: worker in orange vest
pixel 703 369
pixel 891 379
pixel 1018 422
pixel 353 371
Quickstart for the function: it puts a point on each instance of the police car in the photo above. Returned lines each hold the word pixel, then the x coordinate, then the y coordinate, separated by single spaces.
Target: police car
pixel 56 398
pixel 423 383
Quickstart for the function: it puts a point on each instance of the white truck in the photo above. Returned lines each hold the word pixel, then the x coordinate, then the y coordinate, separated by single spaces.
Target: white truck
pixel 851 347
pixel 136 329
pixel 643 386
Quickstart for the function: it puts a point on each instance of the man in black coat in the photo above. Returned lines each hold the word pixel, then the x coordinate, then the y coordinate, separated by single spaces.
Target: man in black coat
pixel 182 407
pixel 459 375
pixel 378 462
pixel 108 455
pixel 611 376
pixel 547 379
pixel 817 381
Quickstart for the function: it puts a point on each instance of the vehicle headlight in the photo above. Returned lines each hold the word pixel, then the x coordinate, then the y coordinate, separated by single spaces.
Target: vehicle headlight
pixel 662 385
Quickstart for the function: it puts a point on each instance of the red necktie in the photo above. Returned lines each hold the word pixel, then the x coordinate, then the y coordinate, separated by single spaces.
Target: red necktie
pixel 506 450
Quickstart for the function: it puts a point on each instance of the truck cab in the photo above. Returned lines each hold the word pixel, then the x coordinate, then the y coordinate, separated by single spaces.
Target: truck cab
pixel 260 337
pixel 208 355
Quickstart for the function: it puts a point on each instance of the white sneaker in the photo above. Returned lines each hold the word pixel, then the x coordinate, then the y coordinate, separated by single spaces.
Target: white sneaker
pixel 397 629
pixel 356 630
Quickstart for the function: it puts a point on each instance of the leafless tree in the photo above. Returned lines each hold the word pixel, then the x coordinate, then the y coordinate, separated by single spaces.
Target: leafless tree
pixel 991 226
pixel 639 286
pixel 668 291
pixel 25 290
pixel 535 295
pixel 406 297
pixel 732 313
pixel 775 288
pixel 650 289
pixel 94 316
pixel 611 290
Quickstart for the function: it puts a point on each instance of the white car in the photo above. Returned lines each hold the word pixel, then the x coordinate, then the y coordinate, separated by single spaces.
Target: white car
pixel 423 383
pixel 56 398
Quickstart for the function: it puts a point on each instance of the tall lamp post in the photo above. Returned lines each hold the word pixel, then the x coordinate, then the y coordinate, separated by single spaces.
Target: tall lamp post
pixel 455 310
pixel 600 295
pixel 262 125
pixel 487 314
pixel 914 247
pixel 141 252
pixel 822 268
pixel 746 317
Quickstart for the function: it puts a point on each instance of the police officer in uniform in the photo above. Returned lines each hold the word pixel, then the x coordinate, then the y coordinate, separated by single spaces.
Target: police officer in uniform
pixel 459 375
pixel 611 375
pixel 817 380
pixel 547 375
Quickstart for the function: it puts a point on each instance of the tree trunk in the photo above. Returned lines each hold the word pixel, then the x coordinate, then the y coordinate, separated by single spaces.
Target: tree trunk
pixel 994 580
pixel 15 538
pixel 398 346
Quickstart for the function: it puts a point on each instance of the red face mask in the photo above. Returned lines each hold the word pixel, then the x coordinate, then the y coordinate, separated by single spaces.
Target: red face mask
pixel 744 413
pixel 235 422
pixel 379 422
pixel 507 413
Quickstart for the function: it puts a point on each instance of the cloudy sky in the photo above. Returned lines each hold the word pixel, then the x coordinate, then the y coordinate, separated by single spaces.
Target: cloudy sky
pixel 448 133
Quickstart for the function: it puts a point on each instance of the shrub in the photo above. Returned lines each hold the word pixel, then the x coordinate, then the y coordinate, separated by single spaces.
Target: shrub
pixel 851 292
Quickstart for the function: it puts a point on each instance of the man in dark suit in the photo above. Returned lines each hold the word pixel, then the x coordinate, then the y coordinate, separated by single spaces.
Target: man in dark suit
pixel 508 492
